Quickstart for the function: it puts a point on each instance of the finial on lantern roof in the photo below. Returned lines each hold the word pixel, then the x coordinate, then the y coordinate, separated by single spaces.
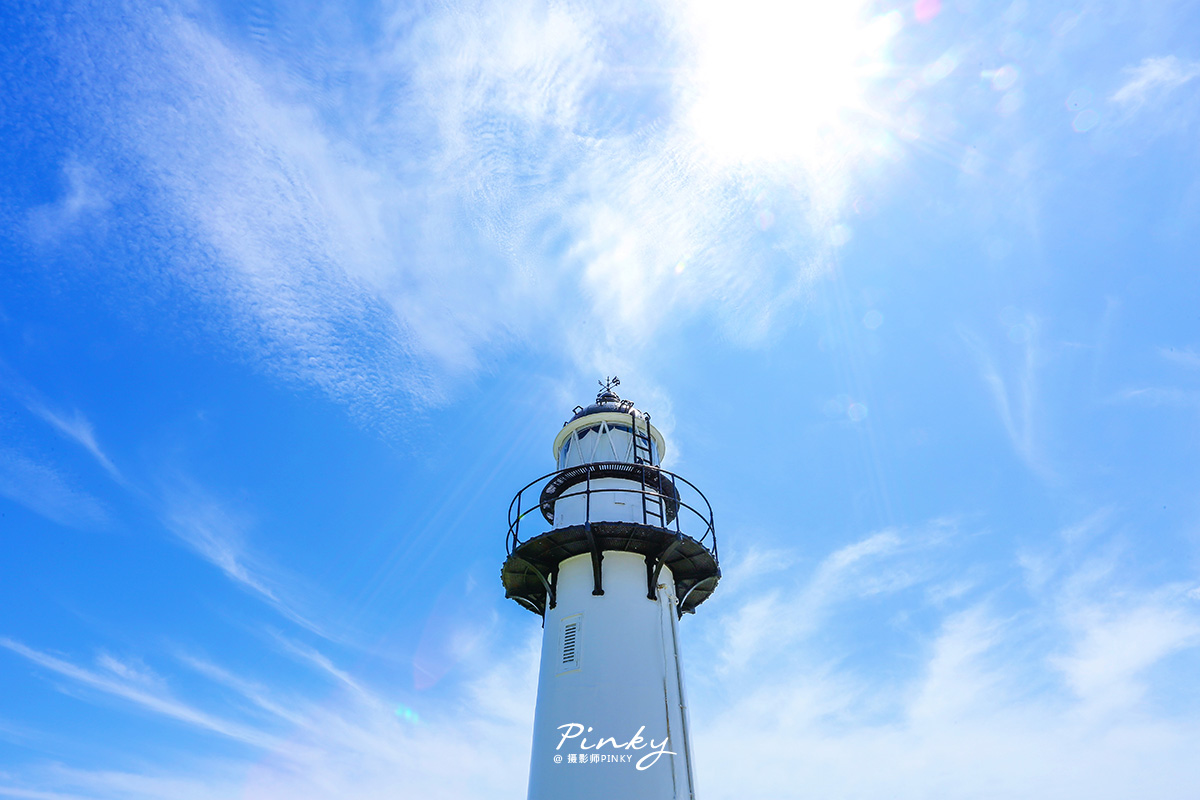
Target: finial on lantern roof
pixel 607 395
pixel 607 401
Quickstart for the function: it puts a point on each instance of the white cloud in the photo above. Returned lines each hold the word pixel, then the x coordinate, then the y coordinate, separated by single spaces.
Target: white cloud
pixel 1183 356
pixel 1053 698
pixel 77 428
pixel 74 426
pixel 353 743
pixel 957 678
pixel 136 691
pixel 1161 396
pixel 1015 391
pixel 291 239
pixel 192 515
pixel 314 658
pixel 1155 76
pixel 43 490
pixel 84 199
pixel 378 244
pixel 34 794
pixel 257 693
pixel 971 702
pixel 1114 646
pixel 753 632
pixel 217 535
pixel 133 672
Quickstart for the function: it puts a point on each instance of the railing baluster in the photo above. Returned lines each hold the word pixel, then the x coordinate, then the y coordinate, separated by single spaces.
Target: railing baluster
pixel 678 510
pixel 646 493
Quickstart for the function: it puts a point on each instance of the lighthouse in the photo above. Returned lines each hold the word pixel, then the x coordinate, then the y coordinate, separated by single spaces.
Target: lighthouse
pixel 610 550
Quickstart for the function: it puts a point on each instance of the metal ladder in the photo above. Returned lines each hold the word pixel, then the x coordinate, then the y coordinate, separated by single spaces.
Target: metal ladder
pixel 652 502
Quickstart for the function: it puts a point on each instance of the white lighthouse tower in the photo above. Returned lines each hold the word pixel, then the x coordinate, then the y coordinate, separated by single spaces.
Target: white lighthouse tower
pixel 630 548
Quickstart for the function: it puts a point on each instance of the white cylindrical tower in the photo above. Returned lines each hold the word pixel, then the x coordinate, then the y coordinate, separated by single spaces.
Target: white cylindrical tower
pixel 630 549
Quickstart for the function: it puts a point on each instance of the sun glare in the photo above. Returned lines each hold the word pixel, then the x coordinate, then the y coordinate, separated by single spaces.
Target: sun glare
pixel 774 81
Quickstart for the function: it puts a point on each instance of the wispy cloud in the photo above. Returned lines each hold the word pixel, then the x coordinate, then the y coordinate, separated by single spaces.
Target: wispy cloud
pixel 140 692
pixel 257 693
pixel 77 428
pixel 43 490
pixel 74 425
pixel 1115 644
pixel 1183 356
pixel 1161 396
pixel 351 743
pixel 377 244
pixel 957 678
pixel 1155 76
pixel 868 567
pixel 1015 391
pixel 192 515
pixel 1052 698
pixel 295 239
pixel 217 535
pixel 315 658
pixel 83 199
pixel 1054 695
pixel 34 794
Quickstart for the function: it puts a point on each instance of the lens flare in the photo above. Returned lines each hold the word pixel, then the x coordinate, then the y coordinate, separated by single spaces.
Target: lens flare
pixel 1079 99
pixel 1085 120
pixel 926 10
pixel 774 81
pixel 408 715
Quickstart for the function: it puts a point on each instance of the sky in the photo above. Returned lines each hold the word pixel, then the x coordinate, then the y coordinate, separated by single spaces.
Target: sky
pixel 294 298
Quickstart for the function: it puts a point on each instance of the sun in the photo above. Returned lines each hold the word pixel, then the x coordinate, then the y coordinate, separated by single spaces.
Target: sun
pixel 781 81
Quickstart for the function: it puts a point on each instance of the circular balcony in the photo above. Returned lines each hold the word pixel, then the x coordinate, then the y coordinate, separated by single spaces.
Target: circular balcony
pixel 606 506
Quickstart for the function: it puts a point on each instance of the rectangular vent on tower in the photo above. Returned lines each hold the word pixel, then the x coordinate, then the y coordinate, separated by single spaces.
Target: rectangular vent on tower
pixel 570 643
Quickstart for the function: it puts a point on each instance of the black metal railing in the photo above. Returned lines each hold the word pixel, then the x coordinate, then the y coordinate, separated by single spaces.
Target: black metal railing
pixel 687 512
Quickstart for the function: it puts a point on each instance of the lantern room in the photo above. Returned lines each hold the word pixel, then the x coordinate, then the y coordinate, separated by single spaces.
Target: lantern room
pixel 605 431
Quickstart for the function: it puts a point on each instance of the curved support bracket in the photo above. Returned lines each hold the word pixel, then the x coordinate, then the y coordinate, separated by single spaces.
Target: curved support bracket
pixel 532 606
pixel 654 567
pixel 688 593
pixel 597 557
pixel 551 591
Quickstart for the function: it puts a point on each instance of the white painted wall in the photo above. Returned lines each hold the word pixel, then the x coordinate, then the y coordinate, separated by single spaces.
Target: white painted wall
pixel 627 676
pixel 612 500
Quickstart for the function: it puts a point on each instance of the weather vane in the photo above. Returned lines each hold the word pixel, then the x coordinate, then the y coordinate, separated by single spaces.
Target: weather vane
pixel 608 383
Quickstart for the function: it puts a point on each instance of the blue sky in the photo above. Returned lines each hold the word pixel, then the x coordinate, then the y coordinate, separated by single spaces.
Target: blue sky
pixel 294 297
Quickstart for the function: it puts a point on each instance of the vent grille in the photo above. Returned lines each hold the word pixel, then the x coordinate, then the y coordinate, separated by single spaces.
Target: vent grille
pixel 570 643
pixel 569 634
